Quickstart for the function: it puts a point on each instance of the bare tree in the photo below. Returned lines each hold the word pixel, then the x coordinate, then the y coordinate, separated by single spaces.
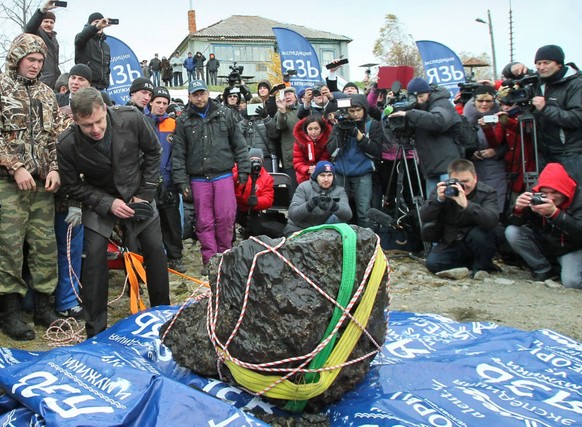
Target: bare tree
pixel 14 14
pixel 395 47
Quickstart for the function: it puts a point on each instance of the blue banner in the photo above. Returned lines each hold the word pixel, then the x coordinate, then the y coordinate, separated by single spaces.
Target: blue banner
pixel 297 54
pixel 124 68
pixel 442 66
pixel 431 371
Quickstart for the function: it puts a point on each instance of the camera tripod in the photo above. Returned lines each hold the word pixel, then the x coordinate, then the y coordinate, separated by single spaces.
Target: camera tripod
pixel 401 171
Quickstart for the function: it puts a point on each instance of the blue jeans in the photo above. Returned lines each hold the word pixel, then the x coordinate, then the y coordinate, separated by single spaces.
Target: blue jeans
pixel 359 189
pixel 525 243
pixel 68 284
pixel 156 78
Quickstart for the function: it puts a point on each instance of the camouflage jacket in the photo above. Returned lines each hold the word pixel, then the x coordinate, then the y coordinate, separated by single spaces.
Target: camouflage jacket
pixel 29 118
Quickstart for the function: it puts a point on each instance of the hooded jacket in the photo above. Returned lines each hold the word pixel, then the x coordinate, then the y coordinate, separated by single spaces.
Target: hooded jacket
pixel 50 70
pixel 560 121
pixel 92 49
pixel 303 144
pixel 435 133
pixel 562 233
pixel 350 156
pixel 29 119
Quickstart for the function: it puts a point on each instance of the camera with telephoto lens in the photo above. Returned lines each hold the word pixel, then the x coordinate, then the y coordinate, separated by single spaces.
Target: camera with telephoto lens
pixel 538 199
pixel 256 166
pixel 521 90
pixel 450 189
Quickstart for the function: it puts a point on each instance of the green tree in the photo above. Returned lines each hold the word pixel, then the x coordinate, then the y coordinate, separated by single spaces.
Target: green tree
pixel 394 47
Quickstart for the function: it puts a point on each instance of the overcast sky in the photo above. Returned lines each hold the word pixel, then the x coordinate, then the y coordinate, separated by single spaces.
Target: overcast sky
pixel 150 26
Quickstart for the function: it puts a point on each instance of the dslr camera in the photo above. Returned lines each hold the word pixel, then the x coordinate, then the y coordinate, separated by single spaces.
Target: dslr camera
pixel 538 199
pixel 521 90
pixel 316 90
pixel 256 166
pixel 450 189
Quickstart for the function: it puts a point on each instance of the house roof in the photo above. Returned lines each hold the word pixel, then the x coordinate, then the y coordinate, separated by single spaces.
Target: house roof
pixel 255 27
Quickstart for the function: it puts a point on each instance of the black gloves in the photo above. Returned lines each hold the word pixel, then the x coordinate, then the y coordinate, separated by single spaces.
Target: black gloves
pixel 261 112
pixel 243 177
pixel 186 193
pixel 253 200
pixel 312 203
pixel 324 202
pixel 354 131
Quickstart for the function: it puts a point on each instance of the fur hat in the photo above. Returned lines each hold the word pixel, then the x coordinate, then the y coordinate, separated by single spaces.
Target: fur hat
pixel 141 83
pixel 550 52
pixel 322 166
pixel 93 17
pixel 417 86
pixel 83 71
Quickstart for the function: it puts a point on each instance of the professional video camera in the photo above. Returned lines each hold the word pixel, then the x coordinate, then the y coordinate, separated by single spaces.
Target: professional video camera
pixel 400 102
pixel 467 90
pixel 521 90
pixel 234 78
pixel 288 73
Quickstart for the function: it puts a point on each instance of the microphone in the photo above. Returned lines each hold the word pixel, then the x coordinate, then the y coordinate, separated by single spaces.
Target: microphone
pixel 388 110
pixel 379 217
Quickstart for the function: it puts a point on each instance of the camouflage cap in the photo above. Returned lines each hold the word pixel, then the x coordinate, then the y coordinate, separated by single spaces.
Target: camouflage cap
pixel 24 44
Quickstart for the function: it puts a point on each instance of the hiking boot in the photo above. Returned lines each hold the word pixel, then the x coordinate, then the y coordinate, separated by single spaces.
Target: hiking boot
pixel 542 276
pixel 12 323
pixel 44 313
pixel 75 312
pixel 176 264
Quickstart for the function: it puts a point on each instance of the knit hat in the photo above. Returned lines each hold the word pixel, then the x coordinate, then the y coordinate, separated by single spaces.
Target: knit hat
pixel 351 84
pixel 255 152
pixel 290 89
pixel 49 15
pixel 161 92
pixel 197 85
pixel 93 17
pixel 485 90
pixel 265 83
pixel 417 86
pixel 141 83
pixel 82 70
pixel 322 166
pixel 550 52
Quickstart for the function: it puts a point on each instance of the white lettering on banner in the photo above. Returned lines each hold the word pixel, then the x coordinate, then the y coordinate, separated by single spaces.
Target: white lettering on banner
pixel 149 327
pixel 444 74
pixel 258 403
pixel 446 394
pixel 121 74
pixel 118 387
pixel 552 380
pixel 296 53
pixel 553 359
pixel 439 61
pixel 223 390
pixel 303 67
pixel 399 349
pixel 47 386
pixel 426 409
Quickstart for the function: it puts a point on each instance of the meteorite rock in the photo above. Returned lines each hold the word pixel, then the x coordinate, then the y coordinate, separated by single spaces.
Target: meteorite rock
pixel 284 316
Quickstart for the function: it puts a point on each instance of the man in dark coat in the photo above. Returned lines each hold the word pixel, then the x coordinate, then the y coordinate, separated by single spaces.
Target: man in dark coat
pixel 92 49
pixel 110 162
pixel 465 213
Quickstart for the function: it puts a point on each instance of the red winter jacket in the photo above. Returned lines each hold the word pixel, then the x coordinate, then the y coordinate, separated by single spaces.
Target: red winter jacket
pixel 264 190
pixel 510 135
pixel 302 144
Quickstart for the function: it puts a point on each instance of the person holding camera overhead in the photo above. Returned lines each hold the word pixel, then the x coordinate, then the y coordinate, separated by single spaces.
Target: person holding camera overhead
pixel 460 215
pixel 91 48
pixel 546 228
pixel 318 201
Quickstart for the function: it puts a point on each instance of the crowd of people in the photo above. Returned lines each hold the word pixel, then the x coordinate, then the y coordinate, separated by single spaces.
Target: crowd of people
pixel 76 169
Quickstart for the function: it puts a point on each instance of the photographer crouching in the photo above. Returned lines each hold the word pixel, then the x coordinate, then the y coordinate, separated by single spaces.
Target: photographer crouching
pixel 461 214
pixel 547 227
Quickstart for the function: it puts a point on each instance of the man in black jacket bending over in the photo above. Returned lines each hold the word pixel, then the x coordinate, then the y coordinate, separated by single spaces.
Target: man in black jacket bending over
pixel 466 213
pixel 110 162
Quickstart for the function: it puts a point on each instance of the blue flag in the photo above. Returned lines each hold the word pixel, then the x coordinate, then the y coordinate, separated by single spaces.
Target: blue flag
pixel 441 65
pixel 297 54
pixel 124 67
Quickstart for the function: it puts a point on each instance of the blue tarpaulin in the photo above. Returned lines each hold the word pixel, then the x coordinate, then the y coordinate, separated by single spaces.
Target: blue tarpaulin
pixel 431 371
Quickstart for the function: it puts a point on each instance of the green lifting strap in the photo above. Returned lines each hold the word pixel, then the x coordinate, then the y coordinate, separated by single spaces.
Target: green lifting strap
pixel 349 238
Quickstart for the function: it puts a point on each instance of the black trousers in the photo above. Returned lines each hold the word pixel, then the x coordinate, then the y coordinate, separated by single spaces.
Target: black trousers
pixel 95 273
pixel 171 224
pixel 475 251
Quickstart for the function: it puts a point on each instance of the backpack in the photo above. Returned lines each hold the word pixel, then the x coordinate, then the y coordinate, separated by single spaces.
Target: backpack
pixel 465 135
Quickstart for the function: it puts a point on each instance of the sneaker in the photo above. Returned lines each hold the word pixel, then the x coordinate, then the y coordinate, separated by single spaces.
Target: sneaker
pixel 176 264
pixel 75 312
pixel 542 276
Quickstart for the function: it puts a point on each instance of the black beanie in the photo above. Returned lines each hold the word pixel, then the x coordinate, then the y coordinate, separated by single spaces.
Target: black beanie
pixel 94 16
pixel 49 15
pixel 82 70
pixel 351 84
pixel 161 92
pixel 550 52
pixel 141 83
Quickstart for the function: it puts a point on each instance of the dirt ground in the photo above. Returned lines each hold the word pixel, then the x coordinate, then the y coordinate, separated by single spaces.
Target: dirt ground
pixel 508 298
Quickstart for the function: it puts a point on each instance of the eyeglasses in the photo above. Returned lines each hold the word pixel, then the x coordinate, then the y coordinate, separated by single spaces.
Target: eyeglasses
pixel 488 101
